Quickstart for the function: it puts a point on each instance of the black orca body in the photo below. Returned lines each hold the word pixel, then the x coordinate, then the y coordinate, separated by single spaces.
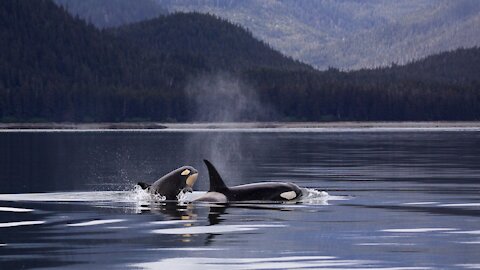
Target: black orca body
pixel 265 191
pixel 171 184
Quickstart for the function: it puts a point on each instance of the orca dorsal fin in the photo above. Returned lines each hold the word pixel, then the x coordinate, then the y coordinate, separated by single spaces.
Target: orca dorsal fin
pixel 143 185
pixel 216 181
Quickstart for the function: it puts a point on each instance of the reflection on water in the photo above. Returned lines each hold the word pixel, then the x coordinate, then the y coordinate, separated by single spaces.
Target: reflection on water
pixel 379 200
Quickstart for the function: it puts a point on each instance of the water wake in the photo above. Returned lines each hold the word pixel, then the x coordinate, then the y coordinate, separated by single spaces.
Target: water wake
pixel 140 197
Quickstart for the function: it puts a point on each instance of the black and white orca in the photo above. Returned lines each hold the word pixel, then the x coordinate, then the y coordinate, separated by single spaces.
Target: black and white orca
pixel 171 184
pixel 264 191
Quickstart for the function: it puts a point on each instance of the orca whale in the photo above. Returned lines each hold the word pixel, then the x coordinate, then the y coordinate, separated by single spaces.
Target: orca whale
pixel 264 191
pixel 171 184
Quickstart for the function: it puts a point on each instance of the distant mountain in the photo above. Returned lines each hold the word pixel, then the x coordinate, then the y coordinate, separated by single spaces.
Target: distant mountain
pixel 111 13
pixel 351 34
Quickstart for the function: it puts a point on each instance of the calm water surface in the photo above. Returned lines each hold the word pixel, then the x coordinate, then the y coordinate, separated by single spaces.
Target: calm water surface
pixel 396 200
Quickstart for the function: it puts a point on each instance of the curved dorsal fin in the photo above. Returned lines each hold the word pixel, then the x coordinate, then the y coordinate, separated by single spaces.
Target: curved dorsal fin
pixel 216 181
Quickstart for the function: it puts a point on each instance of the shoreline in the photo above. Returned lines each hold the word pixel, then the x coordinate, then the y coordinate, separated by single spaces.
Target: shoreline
pixel 430 125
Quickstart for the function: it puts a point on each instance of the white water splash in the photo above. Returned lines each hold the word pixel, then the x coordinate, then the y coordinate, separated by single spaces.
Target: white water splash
pixel 316 197
pixel 142 196
pixel 183 196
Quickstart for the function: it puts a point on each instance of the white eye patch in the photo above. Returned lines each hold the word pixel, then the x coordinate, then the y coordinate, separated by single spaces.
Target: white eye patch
pixel 186 172
pixel 289 195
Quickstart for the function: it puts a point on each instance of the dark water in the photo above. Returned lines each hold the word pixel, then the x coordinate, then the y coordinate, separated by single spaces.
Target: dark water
pixel 397 200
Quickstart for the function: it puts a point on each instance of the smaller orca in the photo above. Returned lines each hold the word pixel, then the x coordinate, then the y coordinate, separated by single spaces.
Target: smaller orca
pixel 171 184
pixel 265 191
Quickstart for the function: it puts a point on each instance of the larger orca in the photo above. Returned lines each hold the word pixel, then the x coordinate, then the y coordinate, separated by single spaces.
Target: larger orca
pixel 263 191
pixel 171 184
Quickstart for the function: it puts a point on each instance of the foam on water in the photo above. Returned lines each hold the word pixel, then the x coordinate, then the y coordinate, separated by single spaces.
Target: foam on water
pixel 317 197
pixel 313 196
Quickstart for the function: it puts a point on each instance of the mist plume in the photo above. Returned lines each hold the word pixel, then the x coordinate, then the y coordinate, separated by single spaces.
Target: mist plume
pixel 223 97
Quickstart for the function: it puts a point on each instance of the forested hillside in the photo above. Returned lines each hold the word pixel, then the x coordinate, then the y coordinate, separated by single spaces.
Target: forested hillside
pixel 57 68
pixel 194 67
pixel 440 87
pixel 351 34
pixel 209 40
pixel 50 61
